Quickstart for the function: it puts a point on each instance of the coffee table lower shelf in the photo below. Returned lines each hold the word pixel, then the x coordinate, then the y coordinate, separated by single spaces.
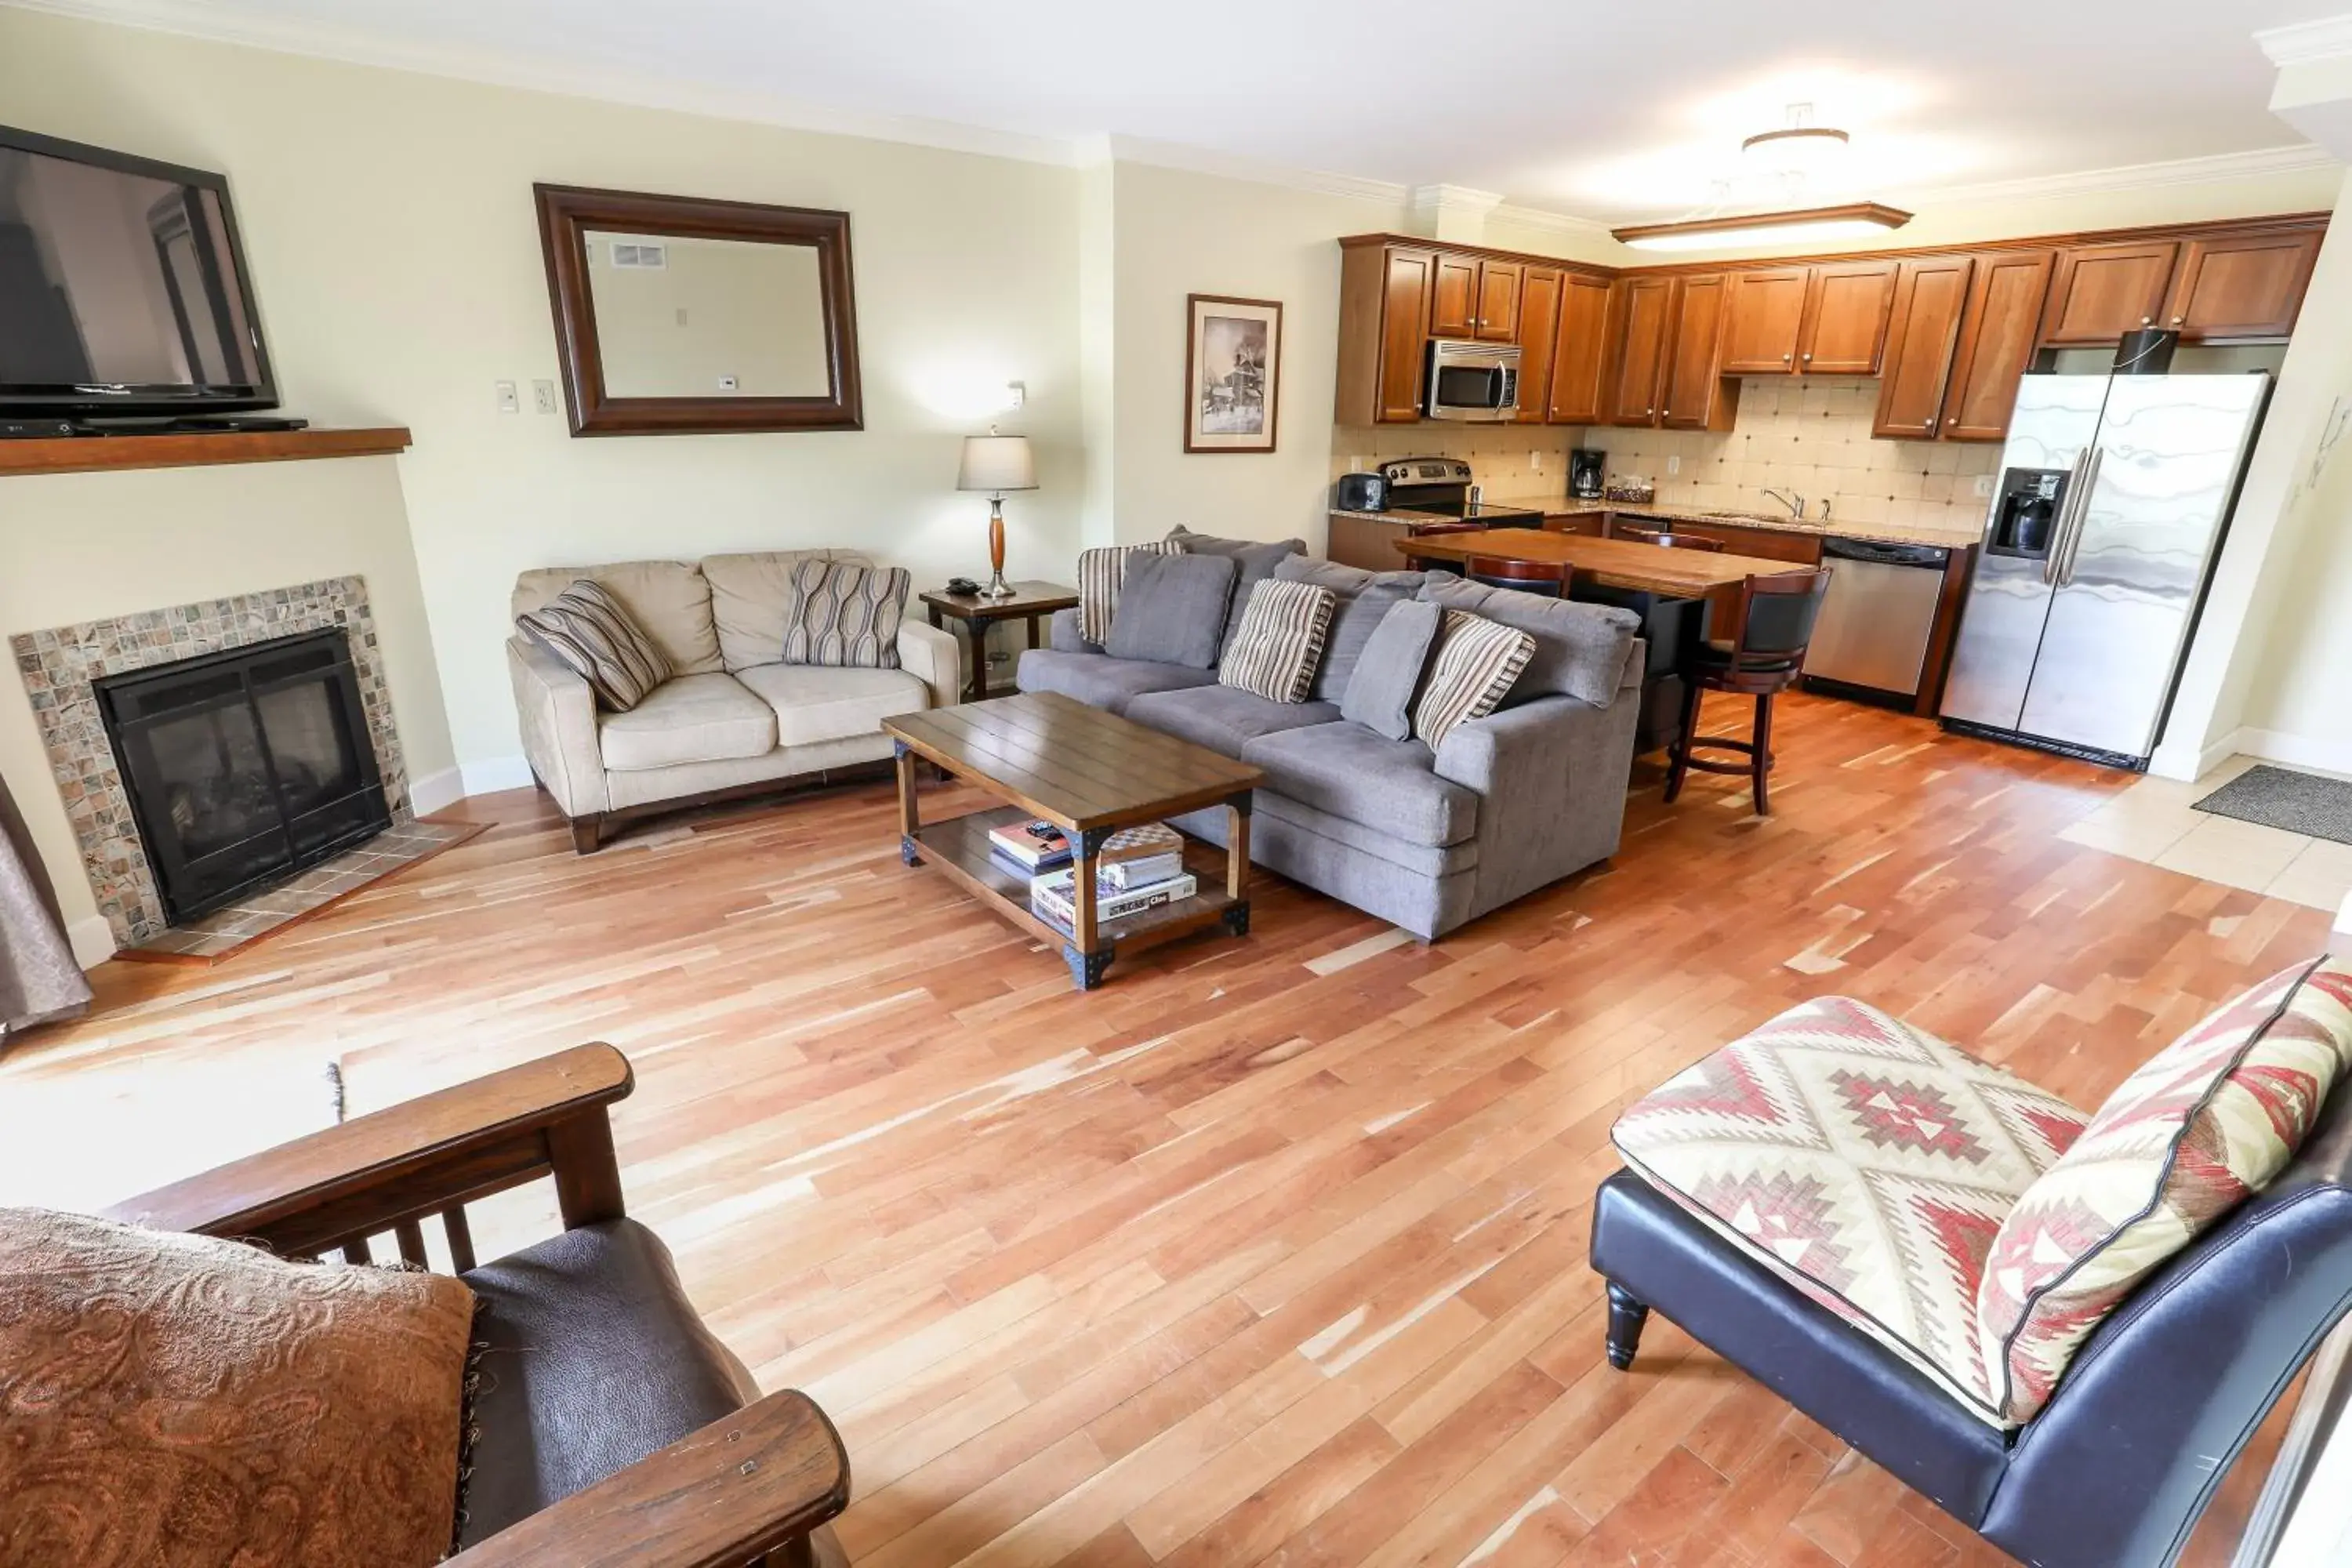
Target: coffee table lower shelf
pixel 959 847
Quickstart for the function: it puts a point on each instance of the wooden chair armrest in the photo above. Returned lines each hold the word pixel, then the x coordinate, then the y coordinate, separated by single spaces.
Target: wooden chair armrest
pixel 418 1157
pixel 757 1481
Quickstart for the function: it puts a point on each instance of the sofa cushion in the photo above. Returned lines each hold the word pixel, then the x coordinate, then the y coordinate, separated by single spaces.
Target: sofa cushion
pixel 1866 1163
pixel 1378 693
pixel 822 703
pixel 1364 598
pixel 750 594
pixel 174 1399
pixel 1476 662
pixel 2204 1124
pixel 845 615
pixel 592 1359
pixel 1580 649
pixel 1223 718
pixel 1101 681
pixel 1253 562
pixel 670 599
pixel 1274 649
pixel 1171 609
pixel 1102 573
pixel 694 719
pixel 1390 786
pixel 587 629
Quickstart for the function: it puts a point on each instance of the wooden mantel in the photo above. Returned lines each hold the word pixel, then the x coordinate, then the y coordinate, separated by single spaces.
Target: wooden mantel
pixel 85 454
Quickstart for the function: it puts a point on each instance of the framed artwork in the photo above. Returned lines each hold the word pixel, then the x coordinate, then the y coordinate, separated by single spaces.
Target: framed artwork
pixel 1233 371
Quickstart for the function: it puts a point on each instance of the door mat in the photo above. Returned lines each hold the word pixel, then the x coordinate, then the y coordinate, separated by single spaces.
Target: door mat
pixel 2276 797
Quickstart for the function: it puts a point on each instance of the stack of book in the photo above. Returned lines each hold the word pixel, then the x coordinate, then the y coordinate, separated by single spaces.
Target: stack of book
pixel 1138 868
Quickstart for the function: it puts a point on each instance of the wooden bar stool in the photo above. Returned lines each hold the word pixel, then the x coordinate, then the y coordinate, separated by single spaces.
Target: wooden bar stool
pixel 1672 540
pixel 1762 658
pixel 1423 529
pixel 1546 577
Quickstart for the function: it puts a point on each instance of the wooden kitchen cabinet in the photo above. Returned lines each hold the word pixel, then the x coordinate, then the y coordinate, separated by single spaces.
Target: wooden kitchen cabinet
pixel 1995 342
pixel 1696 395
pixel 1386 296
pixel 1580 351
pixel 1498 301
pixel 1645 309
pixel 1764 317
pixel 1454 302
pixel 2101 291
pixel 2240 286
pixel 1539 330
pixel 1846 310
pixel 1931 293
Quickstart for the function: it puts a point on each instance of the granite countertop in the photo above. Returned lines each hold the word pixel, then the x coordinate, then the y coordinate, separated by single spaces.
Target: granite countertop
pixel 1551 505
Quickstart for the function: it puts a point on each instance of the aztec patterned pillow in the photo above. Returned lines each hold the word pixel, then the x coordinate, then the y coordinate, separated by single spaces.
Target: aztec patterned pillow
pixel 2202 1125
pixel 588 629
pixel 1275 650
pixel 845 614
pixel 1864 1162
pixel 1476 662
pixel 1100 573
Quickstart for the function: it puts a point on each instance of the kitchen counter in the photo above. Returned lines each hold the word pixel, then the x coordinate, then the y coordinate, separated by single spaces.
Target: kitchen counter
pixel 1559 506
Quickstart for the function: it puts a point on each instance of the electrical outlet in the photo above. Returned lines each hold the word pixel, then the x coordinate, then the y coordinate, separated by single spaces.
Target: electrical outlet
pixel 729 384
pixel 1673 466
pixel 507 402
pixel 1984 487
pixel 1016 394
pixel 1535 462
pixel 542 396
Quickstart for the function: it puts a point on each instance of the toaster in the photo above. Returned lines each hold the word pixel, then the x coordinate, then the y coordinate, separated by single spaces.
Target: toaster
pixel 1360 492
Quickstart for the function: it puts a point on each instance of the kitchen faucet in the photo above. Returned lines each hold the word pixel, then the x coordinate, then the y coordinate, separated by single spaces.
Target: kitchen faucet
pixel 1791 499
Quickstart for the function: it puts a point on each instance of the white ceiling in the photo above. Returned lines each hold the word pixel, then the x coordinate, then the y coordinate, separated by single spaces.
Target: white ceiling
pixel 1613 109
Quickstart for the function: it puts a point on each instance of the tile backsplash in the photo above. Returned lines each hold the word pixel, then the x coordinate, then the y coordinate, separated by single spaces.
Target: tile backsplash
pixel 1809 434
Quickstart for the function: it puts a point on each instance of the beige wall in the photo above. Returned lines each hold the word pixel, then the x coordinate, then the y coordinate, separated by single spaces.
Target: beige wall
pixel 79 547
pixel 388 219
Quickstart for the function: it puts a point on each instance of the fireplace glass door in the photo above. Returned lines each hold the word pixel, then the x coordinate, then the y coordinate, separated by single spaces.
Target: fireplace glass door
pixel 243 767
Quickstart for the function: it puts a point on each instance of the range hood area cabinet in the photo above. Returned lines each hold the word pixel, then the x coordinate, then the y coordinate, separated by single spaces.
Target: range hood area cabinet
pixel 1948 334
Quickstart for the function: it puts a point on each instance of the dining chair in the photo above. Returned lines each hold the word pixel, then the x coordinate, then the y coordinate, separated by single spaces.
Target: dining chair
pixel 1762 658
pixel 1424 529
pixel 1548 578
pixel 1671 541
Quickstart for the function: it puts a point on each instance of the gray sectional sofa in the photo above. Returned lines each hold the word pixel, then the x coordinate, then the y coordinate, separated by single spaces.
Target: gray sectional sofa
pixel 1425 839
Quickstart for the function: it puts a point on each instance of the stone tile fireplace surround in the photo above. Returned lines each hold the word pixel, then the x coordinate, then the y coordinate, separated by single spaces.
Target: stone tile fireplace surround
pixel 60 664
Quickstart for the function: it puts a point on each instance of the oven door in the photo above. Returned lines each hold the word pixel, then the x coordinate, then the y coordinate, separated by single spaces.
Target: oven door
pixel 1473 381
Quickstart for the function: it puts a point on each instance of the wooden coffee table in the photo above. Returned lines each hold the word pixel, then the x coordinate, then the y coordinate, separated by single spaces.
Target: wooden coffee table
pixel 1089 773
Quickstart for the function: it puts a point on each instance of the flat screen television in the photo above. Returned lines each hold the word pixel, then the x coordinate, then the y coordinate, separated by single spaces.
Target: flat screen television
pixel 123 288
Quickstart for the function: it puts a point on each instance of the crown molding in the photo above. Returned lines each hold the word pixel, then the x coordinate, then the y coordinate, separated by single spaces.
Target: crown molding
pixel 2218 168
pixel 1454 199
pixel 1543 220
pixel 1239 166
pixel 640 89
pixel 2299 42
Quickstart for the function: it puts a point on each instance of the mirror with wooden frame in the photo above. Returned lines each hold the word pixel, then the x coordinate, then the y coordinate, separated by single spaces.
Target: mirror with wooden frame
pixel 675 315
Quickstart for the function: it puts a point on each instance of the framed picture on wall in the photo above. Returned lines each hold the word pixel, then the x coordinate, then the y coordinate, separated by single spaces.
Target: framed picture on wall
pixel 1233 370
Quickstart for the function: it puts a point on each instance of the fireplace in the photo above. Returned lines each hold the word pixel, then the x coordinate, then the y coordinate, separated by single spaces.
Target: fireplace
pixel 243 766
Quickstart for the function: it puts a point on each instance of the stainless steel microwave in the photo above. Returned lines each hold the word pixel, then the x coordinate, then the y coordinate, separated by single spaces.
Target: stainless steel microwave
pixel 1471 381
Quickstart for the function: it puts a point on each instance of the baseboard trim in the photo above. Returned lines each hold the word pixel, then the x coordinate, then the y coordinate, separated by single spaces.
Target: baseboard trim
pixel 495 773
pixel 2295 750
pixel 91 939
pixel 434 791
pixel 2188 765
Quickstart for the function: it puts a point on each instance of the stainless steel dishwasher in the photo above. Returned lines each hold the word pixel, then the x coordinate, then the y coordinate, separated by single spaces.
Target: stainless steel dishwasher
pixel 1873 627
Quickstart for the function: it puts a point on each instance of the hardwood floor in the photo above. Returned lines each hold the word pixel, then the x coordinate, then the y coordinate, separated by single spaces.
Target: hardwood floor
pixel 1270 1251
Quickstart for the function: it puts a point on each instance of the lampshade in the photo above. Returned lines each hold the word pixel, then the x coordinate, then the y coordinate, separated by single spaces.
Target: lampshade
pixel 997 463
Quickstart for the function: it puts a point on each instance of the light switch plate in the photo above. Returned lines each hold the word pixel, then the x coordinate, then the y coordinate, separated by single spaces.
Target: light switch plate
pixel 1984 487
pixel 1673 465
pixel 507 402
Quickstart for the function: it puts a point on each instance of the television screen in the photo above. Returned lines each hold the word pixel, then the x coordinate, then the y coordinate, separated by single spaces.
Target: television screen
pixel 122 287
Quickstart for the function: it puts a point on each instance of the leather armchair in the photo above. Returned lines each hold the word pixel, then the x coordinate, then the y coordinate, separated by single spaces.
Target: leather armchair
pixel 2147 1421
pixel 613 1427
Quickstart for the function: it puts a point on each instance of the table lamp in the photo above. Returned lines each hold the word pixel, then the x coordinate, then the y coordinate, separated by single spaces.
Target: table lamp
pixel 996 464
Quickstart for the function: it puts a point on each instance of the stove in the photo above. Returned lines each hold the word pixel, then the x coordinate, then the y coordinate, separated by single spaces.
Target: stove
pixel 1443 488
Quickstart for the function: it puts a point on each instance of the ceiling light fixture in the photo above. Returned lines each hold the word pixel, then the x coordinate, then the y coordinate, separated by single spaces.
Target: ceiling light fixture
pixel 1854 220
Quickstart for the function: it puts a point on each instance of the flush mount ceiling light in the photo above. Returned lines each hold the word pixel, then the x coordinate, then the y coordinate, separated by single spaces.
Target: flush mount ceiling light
pixel 1854 220
pixel 1797 158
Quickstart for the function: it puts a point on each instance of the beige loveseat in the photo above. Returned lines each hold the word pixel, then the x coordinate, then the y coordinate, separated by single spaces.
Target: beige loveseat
pixel 735 720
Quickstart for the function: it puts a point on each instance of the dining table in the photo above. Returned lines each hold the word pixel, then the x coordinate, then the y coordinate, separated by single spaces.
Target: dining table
pixel 1675 593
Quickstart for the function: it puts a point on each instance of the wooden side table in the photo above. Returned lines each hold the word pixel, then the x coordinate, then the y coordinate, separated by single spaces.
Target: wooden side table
pixel 1031 601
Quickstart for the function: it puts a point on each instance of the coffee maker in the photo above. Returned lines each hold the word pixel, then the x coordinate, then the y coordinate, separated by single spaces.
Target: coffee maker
pixel 1585 470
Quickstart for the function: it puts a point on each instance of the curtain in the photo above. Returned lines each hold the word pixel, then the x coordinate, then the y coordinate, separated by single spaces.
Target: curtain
pixel 39 977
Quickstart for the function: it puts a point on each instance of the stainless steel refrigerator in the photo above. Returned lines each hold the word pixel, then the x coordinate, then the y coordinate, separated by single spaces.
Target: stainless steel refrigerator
pixel 2110 505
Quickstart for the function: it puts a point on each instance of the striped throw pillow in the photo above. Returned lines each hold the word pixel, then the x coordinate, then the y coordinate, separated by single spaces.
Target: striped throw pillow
pixel 1100 573
pixel 1476 663
pixel 845 614
pixel 1280 640
pixel 586 627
